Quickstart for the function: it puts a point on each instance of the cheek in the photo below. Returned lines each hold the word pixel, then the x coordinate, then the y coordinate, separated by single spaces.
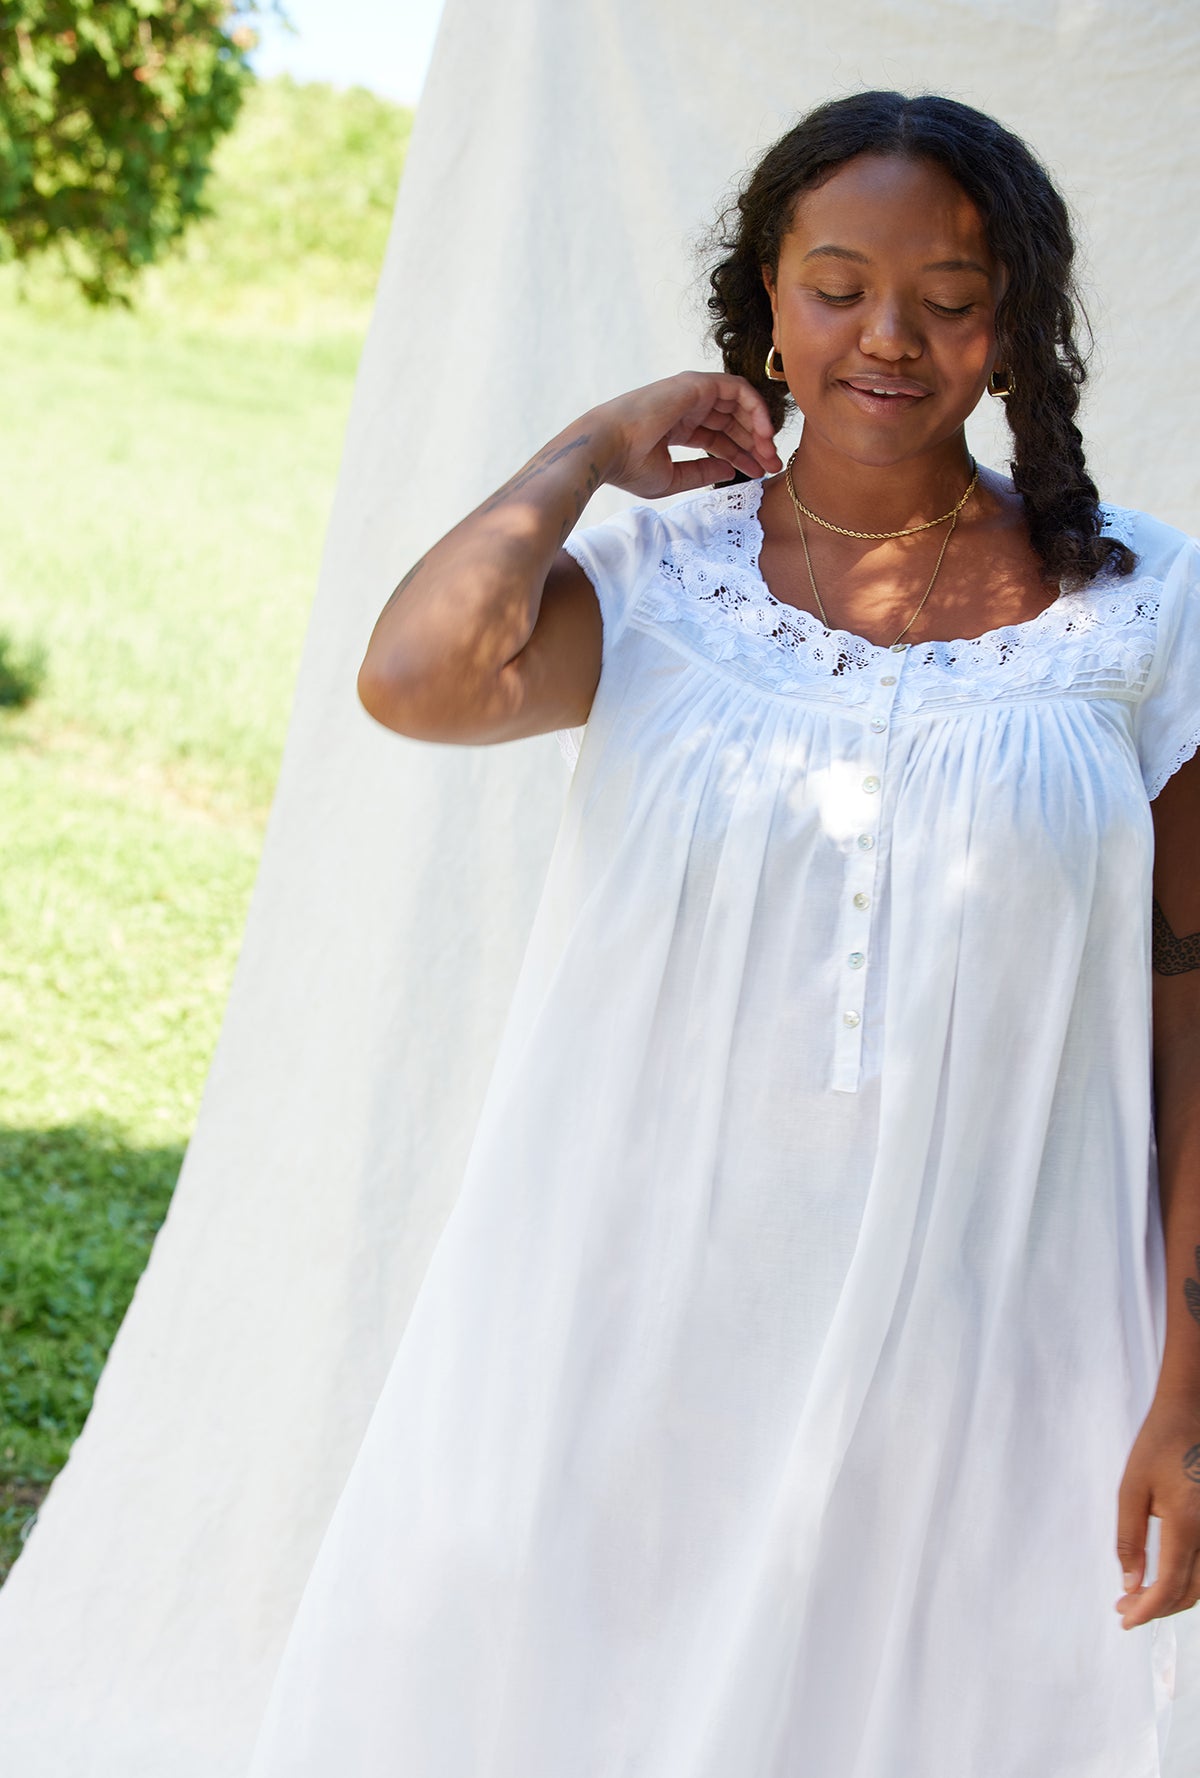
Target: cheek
pixel 815 333
pixel 972 353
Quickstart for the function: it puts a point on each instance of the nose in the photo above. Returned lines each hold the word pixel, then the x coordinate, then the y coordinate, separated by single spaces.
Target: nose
pixel 890 332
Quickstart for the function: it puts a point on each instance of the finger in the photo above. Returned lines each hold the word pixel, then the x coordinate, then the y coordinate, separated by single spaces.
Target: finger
pixel 752 404
pixel 721 444
pixel 719 393
pixel 728 439
pixel 748 421
pixel 1133 1523
pixel 1168 1590
pixel 726 427
pixel 699 472
pixel 717 445
pixel 1192 1597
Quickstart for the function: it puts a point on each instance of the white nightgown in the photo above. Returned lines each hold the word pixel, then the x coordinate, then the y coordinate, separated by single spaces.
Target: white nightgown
pixel 764 1407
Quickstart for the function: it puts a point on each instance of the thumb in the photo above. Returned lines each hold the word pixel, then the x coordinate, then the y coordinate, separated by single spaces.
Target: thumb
pixel 1133 1523
pixel 700 472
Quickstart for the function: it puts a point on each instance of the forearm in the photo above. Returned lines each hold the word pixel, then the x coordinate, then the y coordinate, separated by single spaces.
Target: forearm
pixel 469 607
pixel 1177 1122
pixel 1162 1476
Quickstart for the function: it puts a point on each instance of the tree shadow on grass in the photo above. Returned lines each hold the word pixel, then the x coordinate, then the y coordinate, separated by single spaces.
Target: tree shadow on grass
pixel 79 1210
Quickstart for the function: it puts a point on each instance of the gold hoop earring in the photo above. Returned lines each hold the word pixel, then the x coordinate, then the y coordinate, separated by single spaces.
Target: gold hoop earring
pixel 775 376
pixel 1000 383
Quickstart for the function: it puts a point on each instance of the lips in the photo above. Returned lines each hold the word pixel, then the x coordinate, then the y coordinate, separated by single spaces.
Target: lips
pixel 883 397
pixel 886 386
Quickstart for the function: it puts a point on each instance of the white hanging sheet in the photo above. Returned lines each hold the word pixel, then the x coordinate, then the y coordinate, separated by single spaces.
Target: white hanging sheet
pixel 564 160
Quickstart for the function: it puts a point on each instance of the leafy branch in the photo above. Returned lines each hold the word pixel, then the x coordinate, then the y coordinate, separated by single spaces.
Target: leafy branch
pixel 109 114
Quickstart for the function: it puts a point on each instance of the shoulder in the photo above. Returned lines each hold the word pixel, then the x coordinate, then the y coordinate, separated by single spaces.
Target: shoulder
pixel 723 521
pixel 663 560
pixel 718 517
pixel 716 525
pixel 1160 548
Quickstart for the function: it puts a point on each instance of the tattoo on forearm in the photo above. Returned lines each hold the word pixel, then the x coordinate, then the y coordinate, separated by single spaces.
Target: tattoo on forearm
pixel 545 459
pixel 1191 1291
pixel 582 496
pixel 1170 954
pixel 410 576
pixel 1191 1464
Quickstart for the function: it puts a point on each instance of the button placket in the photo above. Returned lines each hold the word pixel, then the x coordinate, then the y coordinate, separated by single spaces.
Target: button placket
pixel 861 868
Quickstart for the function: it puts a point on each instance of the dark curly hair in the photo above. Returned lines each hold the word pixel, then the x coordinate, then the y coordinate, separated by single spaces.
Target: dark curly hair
pixel 1028 230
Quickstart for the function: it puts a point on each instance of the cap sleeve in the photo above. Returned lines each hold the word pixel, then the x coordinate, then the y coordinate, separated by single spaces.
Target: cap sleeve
pixel 1167 728
pixel 618 557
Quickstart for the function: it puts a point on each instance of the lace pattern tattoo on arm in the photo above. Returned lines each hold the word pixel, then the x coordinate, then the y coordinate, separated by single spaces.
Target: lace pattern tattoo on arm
pixel 1191 1464
pixel 1170 954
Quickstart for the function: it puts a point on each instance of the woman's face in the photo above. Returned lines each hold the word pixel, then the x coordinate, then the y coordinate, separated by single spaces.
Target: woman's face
pixel 885 304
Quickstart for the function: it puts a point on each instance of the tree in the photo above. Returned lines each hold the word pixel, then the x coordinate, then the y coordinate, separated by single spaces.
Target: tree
pixel 109 113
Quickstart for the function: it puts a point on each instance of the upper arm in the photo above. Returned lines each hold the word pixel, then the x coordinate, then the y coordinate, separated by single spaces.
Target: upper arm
pixel 1167 734
pixel 468 676
pixel 550 684
pixel 1176 931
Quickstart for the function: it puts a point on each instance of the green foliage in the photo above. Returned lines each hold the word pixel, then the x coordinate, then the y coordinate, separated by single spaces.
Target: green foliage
pixel 22 672
pixel 308 254
pixel 79 1208
pixel 302 196
pixel 109 114
pixel 173 606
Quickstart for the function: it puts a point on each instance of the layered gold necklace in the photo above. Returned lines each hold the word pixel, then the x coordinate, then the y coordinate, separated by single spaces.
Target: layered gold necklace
pixel 803 512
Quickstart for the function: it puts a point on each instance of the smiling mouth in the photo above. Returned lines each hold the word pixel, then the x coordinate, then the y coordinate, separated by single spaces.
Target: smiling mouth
pixel 902 389
pixel 882 400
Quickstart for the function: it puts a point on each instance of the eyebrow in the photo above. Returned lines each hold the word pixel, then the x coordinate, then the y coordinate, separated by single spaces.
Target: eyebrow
pixel 829 251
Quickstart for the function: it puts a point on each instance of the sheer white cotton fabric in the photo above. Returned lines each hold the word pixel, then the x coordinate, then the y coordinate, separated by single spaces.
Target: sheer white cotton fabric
pixel 764 1407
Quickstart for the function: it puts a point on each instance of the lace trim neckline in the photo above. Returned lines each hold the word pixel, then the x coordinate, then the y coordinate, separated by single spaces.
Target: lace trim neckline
pixel 742 501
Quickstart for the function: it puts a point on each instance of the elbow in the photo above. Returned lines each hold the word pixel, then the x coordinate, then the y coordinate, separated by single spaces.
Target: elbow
pixel 422 707
pixel 388 699
pixel 375 692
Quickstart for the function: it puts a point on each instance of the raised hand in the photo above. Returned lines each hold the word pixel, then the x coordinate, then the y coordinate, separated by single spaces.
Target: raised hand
pixel 712 411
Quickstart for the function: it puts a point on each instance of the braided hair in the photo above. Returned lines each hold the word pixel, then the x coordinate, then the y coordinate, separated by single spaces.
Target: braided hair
pixel 1029 232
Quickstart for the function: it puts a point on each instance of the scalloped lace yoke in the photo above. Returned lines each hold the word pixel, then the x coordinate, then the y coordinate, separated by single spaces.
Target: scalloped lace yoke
pixel 710 597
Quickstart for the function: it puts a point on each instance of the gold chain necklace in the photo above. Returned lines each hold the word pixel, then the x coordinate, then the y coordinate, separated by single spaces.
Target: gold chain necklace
pixel 895 642
pixel 876 536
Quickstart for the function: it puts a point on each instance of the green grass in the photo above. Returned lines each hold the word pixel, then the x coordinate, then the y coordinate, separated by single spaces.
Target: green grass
pixel 166 479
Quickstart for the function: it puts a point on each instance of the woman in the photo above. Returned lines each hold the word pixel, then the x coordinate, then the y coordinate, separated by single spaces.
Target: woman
pixel 804 1335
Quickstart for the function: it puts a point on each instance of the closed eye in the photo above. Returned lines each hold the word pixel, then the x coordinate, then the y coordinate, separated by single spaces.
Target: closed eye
pixel 840 299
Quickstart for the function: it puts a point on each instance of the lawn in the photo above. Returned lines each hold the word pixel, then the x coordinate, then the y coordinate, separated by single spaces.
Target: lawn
pixel 166 478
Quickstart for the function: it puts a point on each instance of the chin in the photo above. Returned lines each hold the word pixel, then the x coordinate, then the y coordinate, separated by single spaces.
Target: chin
pixel 877 453
pixel 879 447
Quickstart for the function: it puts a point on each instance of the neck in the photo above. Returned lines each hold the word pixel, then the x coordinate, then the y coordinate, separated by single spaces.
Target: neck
pixel 870 497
